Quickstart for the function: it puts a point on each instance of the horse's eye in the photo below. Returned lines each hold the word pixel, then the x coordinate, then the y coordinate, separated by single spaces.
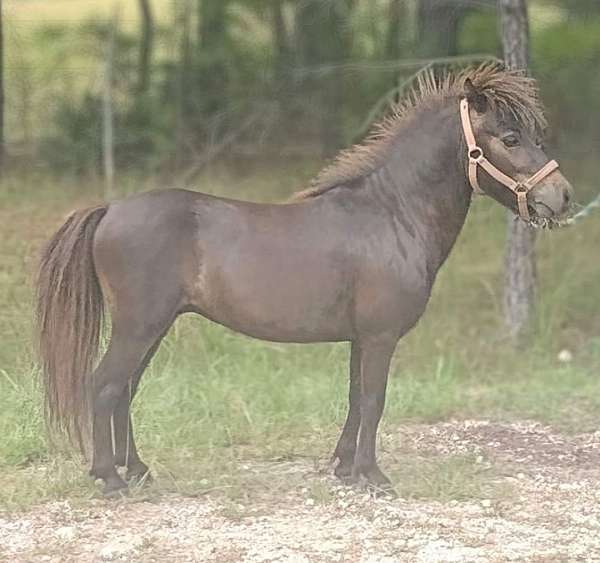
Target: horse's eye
pixel 510 140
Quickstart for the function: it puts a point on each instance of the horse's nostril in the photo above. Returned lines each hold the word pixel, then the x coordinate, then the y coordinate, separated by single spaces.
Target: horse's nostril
pixel 566 197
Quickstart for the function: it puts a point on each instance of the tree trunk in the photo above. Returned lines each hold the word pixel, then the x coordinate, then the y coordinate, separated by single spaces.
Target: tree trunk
pixel 182 87
pixel 439 22
pixel 520 269
pixel 282 55
pixel 325 39
pixel 211 70
pixel 146 45
pixel 396 14
pixel 2 140
pixel 108 133
pixel 211 23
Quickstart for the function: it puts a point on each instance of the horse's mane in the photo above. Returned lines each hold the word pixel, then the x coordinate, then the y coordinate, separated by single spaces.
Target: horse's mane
pixel 508 92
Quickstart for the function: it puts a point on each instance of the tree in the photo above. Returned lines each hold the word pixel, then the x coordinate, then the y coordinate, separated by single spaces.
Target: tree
pixel 397 12
pixel 2 147
pixel 439 23
pixel 282 56
pixel 146 45
pixel 520 270
pixel 182 96
pixel 108 134
pixel 212 75
pixel 325 39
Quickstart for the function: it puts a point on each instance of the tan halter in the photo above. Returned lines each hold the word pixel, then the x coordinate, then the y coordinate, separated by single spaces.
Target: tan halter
pixel 477 158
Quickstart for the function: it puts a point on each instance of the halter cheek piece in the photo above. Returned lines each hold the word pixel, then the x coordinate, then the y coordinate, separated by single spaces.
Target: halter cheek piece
pixel 477 158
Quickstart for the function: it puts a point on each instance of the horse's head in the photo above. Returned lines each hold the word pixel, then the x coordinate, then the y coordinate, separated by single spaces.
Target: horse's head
pixel 507 161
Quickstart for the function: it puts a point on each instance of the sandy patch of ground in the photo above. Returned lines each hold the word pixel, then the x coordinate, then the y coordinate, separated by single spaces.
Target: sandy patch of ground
pixel 552 512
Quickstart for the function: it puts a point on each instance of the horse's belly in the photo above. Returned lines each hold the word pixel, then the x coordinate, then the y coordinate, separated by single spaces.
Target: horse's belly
pixel 284 300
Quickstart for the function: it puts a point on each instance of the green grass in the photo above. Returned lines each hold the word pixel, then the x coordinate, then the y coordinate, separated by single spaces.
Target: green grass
pixel 213 401
pixel 447 478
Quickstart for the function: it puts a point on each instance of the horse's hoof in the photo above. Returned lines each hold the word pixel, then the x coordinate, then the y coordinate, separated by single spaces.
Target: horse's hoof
pixel 139 477
pixel 349 480
pixel 377 483
pixel 115 489
pixel 111 493
pixel 343 471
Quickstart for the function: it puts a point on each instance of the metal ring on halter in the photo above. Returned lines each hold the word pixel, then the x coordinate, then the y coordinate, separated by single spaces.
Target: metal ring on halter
pixel 476 154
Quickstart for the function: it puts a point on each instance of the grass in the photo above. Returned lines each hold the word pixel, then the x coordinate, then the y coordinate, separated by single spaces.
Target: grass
pixel 213 401
pixel 457 477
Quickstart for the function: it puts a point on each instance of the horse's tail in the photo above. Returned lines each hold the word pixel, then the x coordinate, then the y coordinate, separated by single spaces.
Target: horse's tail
pixel 70 309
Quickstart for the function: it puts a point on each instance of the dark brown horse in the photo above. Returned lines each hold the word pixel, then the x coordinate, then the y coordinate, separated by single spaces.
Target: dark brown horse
pixel 353 258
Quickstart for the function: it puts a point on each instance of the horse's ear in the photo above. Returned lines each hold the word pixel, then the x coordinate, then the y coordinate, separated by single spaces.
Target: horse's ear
pixel 475 98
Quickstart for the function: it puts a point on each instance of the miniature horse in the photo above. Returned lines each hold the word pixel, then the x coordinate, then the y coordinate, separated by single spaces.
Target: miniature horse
pixel 352 258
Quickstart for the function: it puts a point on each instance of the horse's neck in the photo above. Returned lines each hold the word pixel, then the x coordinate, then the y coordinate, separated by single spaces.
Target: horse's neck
pixel 423 182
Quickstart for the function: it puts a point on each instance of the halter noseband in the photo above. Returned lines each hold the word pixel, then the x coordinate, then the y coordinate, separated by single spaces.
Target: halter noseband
pixel 477 158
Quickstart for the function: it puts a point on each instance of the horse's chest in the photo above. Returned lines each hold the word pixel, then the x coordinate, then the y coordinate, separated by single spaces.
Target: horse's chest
pixel 391 296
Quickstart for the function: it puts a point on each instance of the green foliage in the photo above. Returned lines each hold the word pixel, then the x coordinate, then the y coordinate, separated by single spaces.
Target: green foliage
pixel 142 135
pixel 569 80
pixel 479 34
pixel 77 144
pixel 237 60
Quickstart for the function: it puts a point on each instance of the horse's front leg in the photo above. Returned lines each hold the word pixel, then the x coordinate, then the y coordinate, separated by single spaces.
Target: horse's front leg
pixel 376 353
pixel 346 446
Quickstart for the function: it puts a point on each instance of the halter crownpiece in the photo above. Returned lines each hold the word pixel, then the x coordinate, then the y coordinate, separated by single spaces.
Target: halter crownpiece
pixel 477 158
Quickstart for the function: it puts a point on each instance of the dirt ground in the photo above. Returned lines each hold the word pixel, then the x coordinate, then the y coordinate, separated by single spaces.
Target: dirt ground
pixel 550 512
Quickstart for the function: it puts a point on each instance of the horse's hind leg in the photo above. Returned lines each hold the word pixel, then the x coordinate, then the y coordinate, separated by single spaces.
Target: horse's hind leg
pixel 346 446
pixel 132 339
pixel 126 454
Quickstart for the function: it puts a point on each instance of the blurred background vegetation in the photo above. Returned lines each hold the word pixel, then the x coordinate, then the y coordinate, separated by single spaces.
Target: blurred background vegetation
pixel 249 98
pixel 195 80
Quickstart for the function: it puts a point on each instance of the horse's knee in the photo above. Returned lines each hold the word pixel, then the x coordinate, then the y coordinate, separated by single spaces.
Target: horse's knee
pixel 107 398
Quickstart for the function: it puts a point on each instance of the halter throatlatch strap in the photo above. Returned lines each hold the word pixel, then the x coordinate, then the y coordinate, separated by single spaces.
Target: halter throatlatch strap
pixel 477 158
